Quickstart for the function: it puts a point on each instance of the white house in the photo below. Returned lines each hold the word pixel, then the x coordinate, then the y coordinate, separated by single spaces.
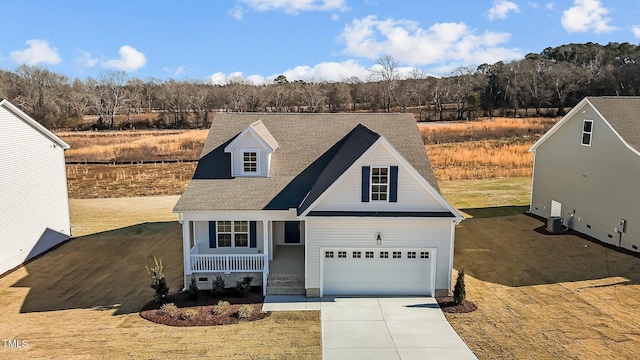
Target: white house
pixel 318 204
pixel 587 169
pixel 33 188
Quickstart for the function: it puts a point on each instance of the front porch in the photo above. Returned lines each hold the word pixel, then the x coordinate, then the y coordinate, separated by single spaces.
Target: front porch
pixel 272 250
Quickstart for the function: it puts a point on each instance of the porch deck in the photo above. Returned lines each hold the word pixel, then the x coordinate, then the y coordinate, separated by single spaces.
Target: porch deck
pixel 287 259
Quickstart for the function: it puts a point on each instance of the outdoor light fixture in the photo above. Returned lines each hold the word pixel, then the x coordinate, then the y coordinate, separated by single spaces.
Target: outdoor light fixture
pixel 378 239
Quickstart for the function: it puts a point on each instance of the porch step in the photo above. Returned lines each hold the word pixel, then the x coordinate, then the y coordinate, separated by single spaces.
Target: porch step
pixel 285 284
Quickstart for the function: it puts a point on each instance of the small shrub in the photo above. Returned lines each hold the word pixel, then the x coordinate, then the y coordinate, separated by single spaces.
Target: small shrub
pixel 170 309
pixel 192 291
pixel 243 288
pixel 245 311
pixel 218 285
pixel 459 293
pixel 220 308
pixel 189 314
pixel 158 282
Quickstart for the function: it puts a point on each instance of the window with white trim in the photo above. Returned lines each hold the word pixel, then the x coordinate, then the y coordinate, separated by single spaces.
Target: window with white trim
pixel 587 132
pixel 397 255
pixel 250 161
pixel 379 183
pixel 342 254
pixel 368 254
pixel 384 254
pixel 328 254
pixel 233 233
pixel 411 255
pixel 424 255
pixel 357 254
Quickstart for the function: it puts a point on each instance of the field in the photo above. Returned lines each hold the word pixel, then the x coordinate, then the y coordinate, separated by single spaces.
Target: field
pixel 133 146
pixel 475 150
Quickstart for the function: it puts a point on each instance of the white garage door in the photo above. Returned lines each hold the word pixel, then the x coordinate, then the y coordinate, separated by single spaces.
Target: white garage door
pixel 378 271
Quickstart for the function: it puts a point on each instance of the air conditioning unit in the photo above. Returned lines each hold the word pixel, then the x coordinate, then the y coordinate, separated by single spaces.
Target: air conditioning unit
pixel 554 225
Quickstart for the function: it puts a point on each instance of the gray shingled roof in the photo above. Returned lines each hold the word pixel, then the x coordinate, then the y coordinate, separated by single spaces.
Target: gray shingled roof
pixel 309 147
pixel 623 113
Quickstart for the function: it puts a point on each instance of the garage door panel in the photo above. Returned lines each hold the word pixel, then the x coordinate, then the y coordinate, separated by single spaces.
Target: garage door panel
pixel 376 276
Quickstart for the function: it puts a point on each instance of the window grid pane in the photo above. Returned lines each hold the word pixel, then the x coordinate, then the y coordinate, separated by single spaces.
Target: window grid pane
pixel 357 254
pixel 384 254
pixel 328 254
pixel 250 160
pixel 242 240
pixel 397 255
pixel 369 254
pixel 224 240
pixel 342 254
pixel 379 183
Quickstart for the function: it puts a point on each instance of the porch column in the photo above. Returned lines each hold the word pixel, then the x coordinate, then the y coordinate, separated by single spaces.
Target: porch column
pixel 186 247
pixel 265 270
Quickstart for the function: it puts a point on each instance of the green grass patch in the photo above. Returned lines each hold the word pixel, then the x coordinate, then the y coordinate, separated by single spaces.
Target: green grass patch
pixel 487 193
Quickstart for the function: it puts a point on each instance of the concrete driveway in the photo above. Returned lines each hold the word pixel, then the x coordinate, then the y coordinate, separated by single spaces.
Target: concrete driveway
pixel 388 328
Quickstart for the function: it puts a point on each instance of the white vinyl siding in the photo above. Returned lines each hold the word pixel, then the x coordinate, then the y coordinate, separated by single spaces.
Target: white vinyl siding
pixel 599 182
pixel 396 233
pixel 33 185
pixel 346 196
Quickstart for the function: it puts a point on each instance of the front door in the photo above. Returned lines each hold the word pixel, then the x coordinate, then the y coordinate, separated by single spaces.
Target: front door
pixel 292 232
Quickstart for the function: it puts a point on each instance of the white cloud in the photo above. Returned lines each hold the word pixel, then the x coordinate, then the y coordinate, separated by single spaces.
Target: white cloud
pixel 86 59
pixel 587 15
pixel 501 9
pixel 636 31
pixel 295 6
pixel 179 71
pixel 37 52
pixel 237 12
pixel 330 71
pixel 130 60
pixel 550 6
pixel 442 44
pixel 221 78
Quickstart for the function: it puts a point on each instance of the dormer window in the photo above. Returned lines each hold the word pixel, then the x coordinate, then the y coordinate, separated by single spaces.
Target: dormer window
pixel 251 151
pixel 250 161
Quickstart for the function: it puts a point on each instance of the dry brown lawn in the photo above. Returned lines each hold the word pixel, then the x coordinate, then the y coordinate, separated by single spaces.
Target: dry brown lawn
pixel 130 145
pixel 545 296
pixel 81 300
pixel 111 181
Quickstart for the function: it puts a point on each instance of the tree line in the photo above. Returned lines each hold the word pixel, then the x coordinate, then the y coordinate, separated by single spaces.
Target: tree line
pixel 540 84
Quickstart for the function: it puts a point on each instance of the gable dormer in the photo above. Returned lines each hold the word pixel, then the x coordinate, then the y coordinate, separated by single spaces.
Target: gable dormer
pixel 251 151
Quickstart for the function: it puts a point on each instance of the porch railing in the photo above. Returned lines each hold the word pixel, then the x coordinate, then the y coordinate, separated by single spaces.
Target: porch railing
pixel 227 263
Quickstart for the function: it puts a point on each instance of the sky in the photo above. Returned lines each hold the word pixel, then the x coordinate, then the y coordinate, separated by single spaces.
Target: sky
pixel 221 40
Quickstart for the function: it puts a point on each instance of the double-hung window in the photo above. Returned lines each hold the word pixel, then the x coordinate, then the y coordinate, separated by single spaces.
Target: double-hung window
pixel 587 131
pixel 250 161
pixel 233 233
pixel 379 183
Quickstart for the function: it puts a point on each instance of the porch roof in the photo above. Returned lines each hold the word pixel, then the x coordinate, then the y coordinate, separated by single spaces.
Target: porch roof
pixel 309 145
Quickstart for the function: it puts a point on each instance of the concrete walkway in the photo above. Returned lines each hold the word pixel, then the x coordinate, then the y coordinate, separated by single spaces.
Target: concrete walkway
pixel 380 328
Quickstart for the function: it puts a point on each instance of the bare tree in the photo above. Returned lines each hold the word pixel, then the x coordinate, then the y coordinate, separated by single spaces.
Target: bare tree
pixel 385 73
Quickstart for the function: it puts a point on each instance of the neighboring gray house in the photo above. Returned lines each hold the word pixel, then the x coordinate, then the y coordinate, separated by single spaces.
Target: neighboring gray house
pixel 33 188
pixel 587 170
pixel 318 204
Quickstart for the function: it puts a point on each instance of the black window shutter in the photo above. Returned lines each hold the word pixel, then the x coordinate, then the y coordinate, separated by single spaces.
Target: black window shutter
pixel 366 177
pixel 393 185
pixel 253 241
pixel 212 234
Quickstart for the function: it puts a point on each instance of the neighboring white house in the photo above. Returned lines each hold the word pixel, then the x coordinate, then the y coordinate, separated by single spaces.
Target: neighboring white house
pixel 33 188
pixel 318 204
pixel 587 170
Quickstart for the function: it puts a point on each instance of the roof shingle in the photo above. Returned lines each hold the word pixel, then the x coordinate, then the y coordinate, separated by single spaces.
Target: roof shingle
pixel 312 148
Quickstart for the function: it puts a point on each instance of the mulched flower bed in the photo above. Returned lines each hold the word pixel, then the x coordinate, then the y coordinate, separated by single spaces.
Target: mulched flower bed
pixel 204 306
pixel 447 305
